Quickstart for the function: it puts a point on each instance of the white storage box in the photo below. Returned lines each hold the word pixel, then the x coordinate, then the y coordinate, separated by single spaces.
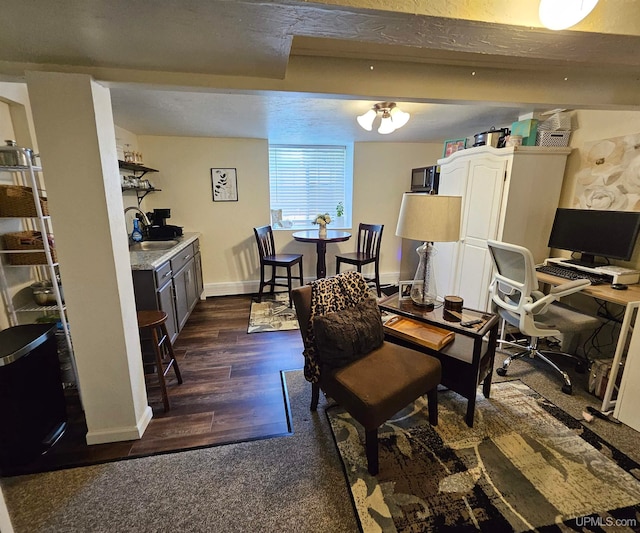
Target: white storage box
pixel 552 138
pixel 556 122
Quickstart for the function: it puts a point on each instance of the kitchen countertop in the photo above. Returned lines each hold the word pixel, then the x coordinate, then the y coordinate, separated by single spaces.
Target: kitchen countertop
pixel 152 259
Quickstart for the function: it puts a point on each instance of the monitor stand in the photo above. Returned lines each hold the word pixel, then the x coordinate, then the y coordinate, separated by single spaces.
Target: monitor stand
pixel 586 260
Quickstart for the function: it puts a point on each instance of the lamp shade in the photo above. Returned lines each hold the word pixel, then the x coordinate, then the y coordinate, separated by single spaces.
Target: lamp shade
pixel 386 125
pixel 399 117
pixel 366 120
pixel 391 117
pixel 429 217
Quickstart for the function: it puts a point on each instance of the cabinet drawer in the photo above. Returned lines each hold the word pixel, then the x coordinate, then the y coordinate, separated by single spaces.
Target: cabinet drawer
pixel 163 274
pixel 181 258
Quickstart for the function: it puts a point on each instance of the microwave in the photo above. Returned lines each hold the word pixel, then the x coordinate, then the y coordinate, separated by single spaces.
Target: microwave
pixel 425 179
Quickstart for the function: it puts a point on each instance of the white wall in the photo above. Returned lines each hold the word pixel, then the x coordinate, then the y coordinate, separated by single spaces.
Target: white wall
pixel 5 521
pixel 227 243
pixel 74 122
pixel 382 173
pixel 593 126
pixel 229 255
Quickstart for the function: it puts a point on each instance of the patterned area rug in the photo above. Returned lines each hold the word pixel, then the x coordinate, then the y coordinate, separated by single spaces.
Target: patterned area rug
pixel 525 465
pixel 272 314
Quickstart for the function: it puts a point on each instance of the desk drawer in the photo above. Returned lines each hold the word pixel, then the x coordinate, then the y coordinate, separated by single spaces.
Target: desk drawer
pixel 181 258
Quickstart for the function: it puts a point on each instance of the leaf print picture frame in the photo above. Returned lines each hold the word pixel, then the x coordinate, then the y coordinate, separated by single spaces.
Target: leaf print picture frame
pixel 224 184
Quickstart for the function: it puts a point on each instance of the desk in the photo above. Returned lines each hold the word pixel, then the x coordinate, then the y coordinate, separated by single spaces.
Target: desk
pixel 467 361
pixel 321 245
pixel 602 292
pixel 630 300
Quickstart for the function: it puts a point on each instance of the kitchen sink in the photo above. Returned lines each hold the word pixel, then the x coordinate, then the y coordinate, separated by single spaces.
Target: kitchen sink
pixel 150 246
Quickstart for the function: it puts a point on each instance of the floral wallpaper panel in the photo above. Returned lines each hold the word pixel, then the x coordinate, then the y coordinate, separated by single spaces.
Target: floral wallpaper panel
pixel 609 175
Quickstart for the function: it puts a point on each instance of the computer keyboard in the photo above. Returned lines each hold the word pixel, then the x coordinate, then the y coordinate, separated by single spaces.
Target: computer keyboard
pixel 568 273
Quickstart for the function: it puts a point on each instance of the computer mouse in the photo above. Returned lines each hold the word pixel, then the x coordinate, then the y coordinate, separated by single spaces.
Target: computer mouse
pixel 619 286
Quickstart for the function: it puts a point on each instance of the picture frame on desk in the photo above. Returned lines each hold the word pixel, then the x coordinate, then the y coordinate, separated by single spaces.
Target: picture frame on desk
pixel 404 290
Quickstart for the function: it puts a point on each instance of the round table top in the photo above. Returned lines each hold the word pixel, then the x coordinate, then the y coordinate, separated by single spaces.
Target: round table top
pixel 331 236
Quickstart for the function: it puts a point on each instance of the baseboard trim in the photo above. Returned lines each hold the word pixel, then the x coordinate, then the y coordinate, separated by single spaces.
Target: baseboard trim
pixel 232 288
pixel 121 433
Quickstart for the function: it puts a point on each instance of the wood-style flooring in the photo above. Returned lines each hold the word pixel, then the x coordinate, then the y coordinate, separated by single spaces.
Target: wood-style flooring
pixel 232 391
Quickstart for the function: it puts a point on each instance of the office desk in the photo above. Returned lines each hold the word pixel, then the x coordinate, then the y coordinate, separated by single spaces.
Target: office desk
pixel 602 292
pixel 630 300
pixel 321 245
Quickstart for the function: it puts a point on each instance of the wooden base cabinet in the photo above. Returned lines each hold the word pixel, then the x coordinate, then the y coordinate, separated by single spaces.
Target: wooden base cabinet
pixel 508 194
pixel 174 287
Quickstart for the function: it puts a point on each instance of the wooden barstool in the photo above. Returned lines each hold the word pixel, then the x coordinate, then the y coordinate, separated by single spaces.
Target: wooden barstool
pixel 155 321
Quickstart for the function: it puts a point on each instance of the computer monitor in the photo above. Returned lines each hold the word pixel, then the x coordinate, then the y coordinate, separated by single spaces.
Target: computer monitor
pixel 595 233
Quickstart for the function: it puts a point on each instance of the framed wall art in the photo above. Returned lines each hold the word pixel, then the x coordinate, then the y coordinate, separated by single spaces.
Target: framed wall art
pixel 609 174
pixel 224 184
pixel 453 145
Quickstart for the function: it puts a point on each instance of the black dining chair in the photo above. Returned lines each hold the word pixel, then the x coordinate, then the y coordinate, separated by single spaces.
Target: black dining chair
pixel 368 251
pixel 269 257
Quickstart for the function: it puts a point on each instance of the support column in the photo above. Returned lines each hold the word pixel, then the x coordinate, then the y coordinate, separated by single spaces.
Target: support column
pixel 76 139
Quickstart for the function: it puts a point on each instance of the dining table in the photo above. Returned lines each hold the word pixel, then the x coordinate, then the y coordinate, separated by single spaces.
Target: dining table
pixel 321 245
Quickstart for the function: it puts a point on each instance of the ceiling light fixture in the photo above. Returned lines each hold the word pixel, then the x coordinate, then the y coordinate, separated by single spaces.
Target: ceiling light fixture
pixel 392 117
pixel 560 15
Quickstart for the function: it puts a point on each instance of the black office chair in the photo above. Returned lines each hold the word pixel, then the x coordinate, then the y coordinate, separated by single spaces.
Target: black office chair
pixel 368 251
pixel 269 257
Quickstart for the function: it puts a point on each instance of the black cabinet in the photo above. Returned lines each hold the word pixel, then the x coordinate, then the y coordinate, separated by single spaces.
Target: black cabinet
pixel 33 413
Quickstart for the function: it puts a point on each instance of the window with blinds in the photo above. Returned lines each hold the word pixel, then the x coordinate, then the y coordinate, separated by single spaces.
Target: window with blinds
pixel 305 181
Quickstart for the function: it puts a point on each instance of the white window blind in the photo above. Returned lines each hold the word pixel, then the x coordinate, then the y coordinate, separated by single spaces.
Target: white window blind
pixel 307 180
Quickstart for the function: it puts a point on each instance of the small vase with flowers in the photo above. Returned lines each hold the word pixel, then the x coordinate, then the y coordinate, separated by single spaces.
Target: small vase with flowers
pixel 322 221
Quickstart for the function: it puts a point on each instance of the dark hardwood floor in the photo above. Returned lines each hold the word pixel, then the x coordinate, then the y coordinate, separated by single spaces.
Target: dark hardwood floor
pixel 232 391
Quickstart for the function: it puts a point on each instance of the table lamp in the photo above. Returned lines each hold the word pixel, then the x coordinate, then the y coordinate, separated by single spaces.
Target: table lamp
pixel 429 218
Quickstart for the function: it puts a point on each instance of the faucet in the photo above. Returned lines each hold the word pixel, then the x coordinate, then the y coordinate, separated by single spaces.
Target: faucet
pixel 146 223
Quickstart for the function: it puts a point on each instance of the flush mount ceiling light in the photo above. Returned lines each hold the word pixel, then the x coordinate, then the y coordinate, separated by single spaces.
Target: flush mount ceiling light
pixel 392 117
pixel 560 15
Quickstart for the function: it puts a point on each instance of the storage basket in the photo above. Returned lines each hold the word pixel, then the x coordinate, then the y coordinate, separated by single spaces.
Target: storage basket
pixel 552 138
pixel 556 122
pixel 27 240
pixel 17 201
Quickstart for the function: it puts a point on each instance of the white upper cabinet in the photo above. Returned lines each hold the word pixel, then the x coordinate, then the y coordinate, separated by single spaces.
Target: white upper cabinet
pixel 509 194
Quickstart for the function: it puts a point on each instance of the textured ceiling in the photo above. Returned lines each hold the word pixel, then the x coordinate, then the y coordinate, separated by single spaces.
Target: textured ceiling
pixel 224 67
pixel 289 119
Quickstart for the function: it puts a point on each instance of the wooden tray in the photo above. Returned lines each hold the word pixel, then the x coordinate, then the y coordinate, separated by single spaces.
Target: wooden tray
pixel 424 334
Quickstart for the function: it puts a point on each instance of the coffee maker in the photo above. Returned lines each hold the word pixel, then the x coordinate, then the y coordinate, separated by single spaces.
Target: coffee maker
pixel 159 229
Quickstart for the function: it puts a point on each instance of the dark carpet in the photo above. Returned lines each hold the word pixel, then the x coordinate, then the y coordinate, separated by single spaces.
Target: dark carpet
pixel 525 465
